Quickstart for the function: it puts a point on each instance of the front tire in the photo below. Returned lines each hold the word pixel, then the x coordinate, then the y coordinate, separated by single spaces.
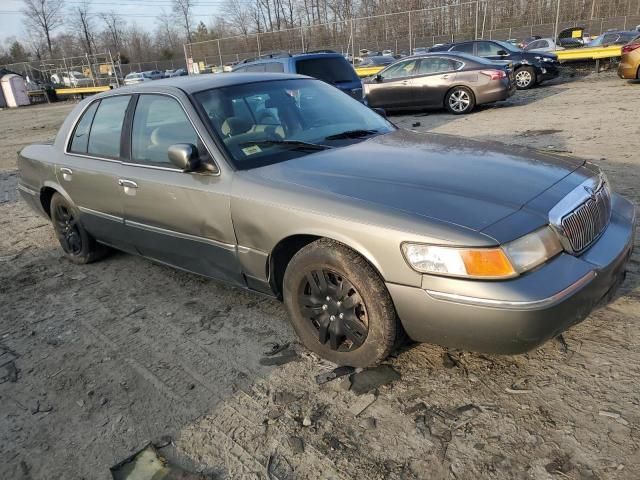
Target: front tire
pixel 459 100
pixel 525 78
pixel 339 305
pixel 78 245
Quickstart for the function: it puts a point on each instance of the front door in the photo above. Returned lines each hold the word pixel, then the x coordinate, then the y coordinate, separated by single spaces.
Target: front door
pixel 181 219
pixel 395 88
pixel 88 171
pixel 493 51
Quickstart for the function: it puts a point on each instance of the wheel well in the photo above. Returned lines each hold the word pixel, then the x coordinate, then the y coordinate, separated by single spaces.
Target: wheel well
pixel 282 254
pixel 45 199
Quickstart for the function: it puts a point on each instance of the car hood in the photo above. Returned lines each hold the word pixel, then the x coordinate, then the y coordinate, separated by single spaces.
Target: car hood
pixel 455 180
pixel 532 55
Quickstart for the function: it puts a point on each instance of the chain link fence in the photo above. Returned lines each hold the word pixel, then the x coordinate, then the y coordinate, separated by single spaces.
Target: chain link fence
pixel 402 32
pixel 82 71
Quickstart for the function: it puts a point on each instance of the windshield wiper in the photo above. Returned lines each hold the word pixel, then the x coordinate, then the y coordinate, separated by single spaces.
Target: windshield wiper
pixel 351 134
pixel 294 143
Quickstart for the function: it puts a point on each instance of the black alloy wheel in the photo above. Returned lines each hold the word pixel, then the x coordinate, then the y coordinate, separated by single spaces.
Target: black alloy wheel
pixel 76 242
pixel 66 227
pixel 335 309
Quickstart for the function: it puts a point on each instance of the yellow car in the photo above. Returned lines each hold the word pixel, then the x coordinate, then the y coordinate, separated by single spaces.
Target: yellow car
pixel 629 66
pixel 372 65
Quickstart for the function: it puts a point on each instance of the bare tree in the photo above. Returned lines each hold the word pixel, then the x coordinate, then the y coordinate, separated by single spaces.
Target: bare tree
pixel 168 38
pixel 184 8
pixel 238 16
pixel 43 17
pixel 82 21
pixel 115 26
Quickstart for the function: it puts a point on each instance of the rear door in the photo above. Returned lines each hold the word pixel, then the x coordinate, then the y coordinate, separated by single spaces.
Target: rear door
pixel 395 89
pixel 436 75
pixel 89 170
pixel 181 219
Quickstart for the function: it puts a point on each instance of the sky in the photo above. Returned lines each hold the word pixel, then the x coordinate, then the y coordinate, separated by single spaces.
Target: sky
pixel 142 12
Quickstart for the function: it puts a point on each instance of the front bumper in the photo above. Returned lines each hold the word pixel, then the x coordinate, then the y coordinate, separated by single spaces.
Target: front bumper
pixel 517 315
pixel 548 71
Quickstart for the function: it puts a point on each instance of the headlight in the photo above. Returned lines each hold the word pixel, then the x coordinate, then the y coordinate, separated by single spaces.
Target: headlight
pixel 533 249
pixel 503 262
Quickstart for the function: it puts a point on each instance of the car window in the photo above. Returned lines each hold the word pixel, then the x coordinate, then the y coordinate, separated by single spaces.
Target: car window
pixel 464 47
pixel 104 139
pixel 255 68
pixel 536 44
pixel 159 122
pixel 437 64
pixel 488 49
pixel 80 138
pixel 275 67
pixel 401 70
pixel 331 69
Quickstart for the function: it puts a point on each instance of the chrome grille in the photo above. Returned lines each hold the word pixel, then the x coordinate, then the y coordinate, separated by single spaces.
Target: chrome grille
pixel 584 225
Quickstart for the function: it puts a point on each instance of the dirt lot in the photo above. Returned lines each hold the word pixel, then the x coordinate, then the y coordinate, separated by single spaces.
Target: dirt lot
pixel 97 361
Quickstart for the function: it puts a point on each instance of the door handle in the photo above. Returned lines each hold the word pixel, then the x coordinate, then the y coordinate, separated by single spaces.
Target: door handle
pixel 446 76
pixel 128 186
pixel 66 173
pixel 127 183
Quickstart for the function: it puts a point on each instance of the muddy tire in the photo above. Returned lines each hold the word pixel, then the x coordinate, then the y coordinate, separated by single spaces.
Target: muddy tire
pixel 525 78
pixel 339 305
pixel 459 101
pixel 78 245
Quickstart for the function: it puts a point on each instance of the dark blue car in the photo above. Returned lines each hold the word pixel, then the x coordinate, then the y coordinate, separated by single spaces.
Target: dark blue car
pixel 329 67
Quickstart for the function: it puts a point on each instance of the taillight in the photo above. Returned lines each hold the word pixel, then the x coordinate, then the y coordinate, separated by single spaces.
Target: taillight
pixel 630 48
pixel 494 74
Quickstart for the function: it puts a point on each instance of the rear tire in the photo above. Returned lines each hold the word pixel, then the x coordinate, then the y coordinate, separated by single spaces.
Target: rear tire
pixel 78 245
pixel 459 101
pixel 525 78
pixel 339 305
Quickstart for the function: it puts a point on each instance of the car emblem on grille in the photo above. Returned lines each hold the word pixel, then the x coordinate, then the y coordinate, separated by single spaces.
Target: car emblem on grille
pixel 590 191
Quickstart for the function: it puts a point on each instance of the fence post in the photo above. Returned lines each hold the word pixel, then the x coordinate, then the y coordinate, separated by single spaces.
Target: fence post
pixel 484 19
pixel 186 58
pixel 220 54
pixel 555 28
pixel 410 35
pixel 113 69
pixel 477 8
pixel 302 37
pixel 258 42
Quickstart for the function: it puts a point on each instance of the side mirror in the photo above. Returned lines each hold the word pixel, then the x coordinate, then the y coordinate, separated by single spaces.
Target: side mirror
pixel 380 111
pixel 503 53
pixel 378 78
pixel 185 157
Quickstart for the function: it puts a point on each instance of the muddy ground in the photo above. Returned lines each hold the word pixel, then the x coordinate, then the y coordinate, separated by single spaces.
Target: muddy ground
pixel 96 361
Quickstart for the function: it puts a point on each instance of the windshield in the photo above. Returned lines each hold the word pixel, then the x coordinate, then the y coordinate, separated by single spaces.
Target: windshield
pixel 331 70
pixel 268 122
pixel 508 46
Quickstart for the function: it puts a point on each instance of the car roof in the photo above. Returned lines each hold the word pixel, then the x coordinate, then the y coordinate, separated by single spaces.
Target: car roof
pixel 286 57
pixel 197 83
pixel 454 54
